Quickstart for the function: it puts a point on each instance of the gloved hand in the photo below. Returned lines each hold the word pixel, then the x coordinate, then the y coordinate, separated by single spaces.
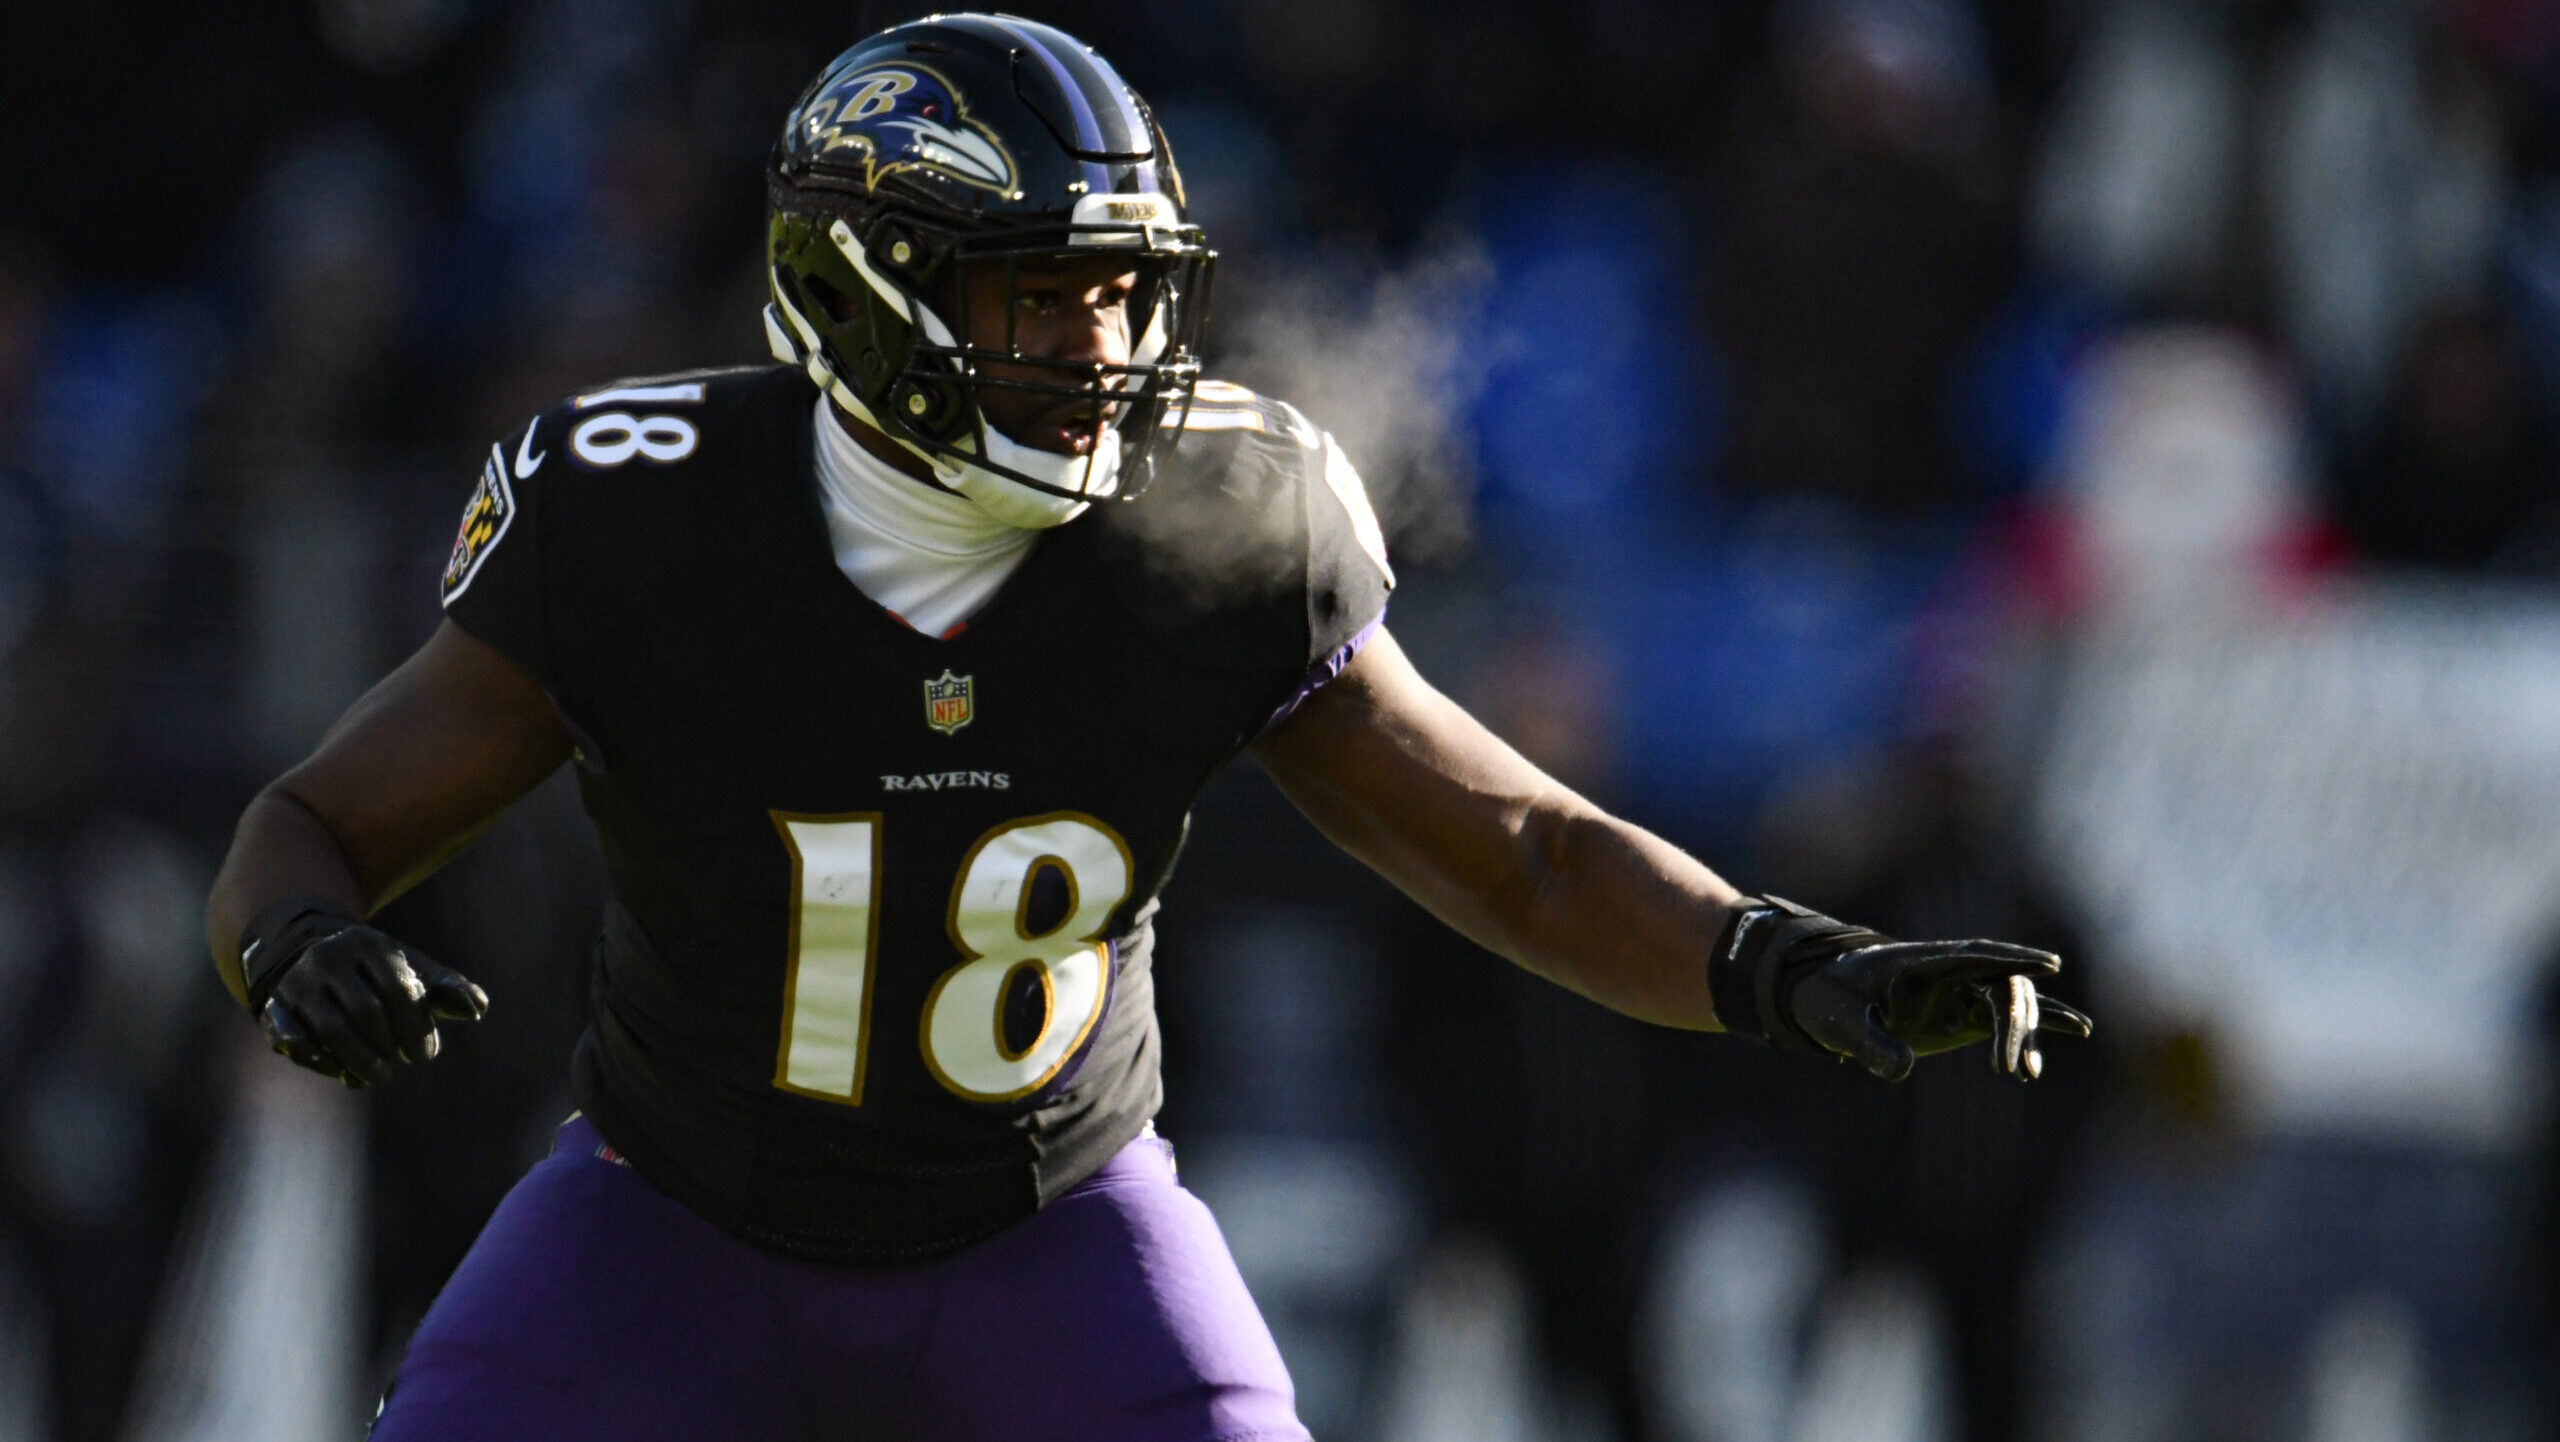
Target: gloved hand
pixel 343 999
pixel 1802 981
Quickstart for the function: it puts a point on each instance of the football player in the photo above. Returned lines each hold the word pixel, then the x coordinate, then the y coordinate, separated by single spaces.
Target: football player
pixel 889 674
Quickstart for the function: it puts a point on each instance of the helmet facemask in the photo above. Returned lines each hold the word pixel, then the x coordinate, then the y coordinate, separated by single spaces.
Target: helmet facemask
pixel 889 312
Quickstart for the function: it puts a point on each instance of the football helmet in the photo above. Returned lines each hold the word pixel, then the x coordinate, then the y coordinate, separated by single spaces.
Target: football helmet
pixel 965 145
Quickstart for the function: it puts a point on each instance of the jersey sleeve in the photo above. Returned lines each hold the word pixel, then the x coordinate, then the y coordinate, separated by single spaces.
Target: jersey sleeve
pixel 1348 578
pixel 493 580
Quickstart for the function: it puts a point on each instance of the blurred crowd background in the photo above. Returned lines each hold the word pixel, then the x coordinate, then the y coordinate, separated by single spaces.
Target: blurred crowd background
pixel 2080 472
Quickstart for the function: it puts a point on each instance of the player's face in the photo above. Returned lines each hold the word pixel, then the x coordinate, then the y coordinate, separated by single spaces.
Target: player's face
pixel 1074 311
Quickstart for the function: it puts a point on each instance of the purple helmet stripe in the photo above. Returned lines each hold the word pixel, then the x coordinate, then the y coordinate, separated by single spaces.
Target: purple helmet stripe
pixel 1088 129
pixel 1129 116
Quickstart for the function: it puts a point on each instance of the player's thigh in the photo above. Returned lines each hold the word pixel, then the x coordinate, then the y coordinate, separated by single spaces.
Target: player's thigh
pixel 593 1306
pixel 1115 1312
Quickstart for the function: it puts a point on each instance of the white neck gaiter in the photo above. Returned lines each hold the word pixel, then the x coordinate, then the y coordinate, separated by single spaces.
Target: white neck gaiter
pixel 931 557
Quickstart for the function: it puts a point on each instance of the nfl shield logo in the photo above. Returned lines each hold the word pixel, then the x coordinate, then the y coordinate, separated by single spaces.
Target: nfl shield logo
pixel 948 703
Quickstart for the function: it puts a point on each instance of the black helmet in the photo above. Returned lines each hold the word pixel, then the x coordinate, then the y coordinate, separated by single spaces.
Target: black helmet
pixel 981 139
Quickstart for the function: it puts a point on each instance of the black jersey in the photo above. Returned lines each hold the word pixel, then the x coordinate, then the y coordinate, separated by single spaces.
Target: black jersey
pixel 874 980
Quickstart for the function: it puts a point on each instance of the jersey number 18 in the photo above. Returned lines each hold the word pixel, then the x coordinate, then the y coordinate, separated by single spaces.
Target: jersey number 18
pixel 1027 991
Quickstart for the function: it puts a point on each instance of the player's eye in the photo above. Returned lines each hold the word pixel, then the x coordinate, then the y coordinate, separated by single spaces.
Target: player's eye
pixel 1036 302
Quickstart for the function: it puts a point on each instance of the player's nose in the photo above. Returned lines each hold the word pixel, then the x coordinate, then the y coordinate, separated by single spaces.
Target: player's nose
pixel 1093 334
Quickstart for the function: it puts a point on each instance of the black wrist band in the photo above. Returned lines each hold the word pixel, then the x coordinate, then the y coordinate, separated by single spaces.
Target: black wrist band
pixel 1732 983
pixel 278 934
pixel 1746 978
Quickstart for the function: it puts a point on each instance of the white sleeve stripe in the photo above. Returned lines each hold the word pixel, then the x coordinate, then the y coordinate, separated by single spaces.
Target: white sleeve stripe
pixel 1203 418
pixel 1344 482
pixel 689 391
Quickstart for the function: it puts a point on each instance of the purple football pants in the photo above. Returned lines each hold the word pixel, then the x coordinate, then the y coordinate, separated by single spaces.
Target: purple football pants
pixel 594 1306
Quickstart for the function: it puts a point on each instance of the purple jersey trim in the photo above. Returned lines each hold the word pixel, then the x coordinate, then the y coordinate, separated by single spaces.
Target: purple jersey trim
pixel 1326 669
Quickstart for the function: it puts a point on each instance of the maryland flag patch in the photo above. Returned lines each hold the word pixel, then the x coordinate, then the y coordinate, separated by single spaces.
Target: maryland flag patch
pixel 484 524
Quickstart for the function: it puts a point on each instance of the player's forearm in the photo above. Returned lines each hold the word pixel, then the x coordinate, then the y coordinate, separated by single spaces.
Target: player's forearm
pixel 280 851
pixel 1616 913
pixel 417 768
pixel 1404 779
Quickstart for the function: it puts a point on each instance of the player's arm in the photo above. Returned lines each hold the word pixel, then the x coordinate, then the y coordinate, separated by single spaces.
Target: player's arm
pixel 412 772
pixel 1404 779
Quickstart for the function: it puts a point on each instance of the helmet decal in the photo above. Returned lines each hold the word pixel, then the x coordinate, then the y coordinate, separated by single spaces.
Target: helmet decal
pixel 903 116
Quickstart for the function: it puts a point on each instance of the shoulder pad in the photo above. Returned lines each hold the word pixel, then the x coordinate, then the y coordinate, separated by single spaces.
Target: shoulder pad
pixel 1225 406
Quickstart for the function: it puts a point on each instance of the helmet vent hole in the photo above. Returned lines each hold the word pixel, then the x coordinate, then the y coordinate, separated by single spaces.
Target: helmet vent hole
pixel 838 305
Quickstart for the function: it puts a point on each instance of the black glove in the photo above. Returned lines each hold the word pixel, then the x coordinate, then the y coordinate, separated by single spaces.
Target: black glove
pixel 1801 981
pixel 343 999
